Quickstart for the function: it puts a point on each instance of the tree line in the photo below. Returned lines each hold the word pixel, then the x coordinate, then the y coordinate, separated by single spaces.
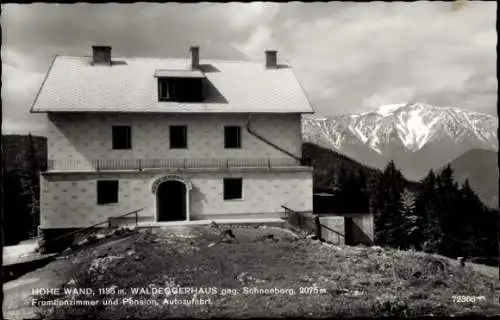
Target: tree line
pixel 22 162
pixel 440 216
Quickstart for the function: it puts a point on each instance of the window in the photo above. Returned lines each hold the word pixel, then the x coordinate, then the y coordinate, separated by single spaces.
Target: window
pixel 232 137
pixel 180 89
pixel 107 192
pixel 166 89
pixel 233 188
pixel 178 137
pixel 122 137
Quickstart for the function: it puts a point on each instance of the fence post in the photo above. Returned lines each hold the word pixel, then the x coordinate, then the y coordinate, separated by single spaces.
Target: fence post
pixel 269 163
pixel 317 226
pixel 109 223
pixel 136 218
pixel 140 165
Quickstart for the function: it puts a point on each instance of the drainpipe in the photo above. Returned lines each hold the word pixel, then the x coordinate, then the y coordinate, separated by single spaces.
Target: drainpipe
pixel 275 146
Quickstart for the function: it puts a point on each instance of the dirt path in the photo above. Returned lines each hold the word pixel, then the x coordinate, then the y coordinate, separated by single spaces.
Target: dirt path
pixel 13 254
pixel 17 301
pixel 18 292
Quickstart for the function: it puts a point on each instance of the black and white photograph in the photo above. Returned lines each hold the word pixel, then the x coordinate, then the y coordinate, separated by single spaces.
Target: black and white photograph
pixel 248 160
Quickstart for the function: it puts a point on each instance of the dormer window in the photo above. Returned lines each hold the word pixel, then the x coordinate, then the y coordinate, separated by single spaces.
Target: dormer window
pixel 180 85
pixel 166 89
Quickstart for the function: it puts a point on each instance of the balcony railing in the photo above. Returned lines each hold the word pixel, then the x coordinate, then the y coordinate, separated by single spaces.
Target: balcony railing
pixel 141 164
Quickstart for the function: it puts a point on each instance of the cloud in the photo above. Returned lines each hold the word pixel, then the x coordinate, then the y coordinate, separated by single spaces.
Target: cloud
pixel 253 47
pixel 390 96
pixel 257 17
pixel 20 83
pixel 348 56
pixel 373 51
pixel 245 15
pixel 17 80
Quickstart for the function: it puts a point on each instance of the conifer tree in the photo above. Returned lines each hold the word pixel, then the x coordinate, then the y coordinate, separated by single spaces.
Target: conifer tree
pixel 449 202
pixel 471 216
pixel 351 193
pixel 454 220
pixel 412 227
pixel 426 208
pixel 479 238
pixel 362 193
pixel 388 218
pixel 341 192
pixel 16 216
pixel 31 185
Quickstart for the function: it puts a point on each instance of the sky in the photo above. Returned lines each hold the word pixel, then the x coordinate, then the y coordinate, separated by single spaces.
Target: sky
pixel 349 57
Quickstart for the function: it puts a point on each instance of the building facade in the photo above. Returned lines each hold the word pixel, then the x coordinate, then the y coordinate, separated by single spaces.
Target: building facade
pixel 181 139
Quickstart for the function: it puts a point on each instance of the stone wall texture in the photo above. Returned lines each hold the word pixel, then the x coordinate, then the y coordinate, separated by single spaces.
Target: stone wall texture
pixel 70 200
pixel 82 137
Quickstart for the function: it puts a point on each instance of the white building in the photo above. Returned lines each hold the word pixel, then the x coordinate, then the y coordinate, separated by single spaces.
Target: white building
pixel 184 139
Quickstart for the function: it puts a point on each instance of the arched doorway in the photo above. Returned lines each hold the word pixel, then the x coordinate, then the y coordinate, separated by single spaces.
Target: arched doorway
pixel 172 197
pixel 171 201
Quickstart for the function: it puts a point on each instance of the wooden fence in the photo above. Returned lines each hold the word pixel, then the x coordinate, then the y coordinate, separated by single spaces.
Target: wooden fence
pixel 351 229
pixel 313 224
pixel 63 241
pixel 301 220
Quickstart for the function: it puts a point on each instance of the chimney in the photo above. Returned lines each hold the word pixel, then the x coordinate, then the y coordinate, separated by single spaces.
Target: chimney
pixel 101 55
pixel 195 57
pixel 271 59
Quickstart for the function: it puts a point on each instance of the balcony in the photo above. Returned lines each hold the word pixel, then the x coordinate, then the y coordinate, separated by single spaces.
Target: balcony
pixel 98 165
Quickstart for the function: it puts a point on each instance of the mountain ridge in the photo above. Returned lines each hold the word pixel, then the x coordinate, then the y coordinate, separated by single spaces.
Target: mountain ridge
pixel 480 167
pixel 417 136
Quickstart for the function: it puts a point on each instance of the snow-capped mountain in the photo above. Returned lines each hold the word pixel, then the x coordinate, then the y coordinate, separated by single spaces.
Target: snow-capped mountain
pixel 416 136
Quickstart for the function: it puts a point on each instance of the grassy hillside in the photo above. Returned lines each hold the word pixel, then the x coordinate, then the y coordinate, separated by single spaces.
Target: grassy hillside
pixel 481 168
pixel 328 163
pixel 316 279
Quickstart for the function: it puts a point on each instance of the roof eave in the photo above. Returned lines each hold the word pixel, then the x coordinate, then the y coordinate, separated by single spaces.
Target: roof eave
pixel 301 86
pixel 42 85
pixel 175 112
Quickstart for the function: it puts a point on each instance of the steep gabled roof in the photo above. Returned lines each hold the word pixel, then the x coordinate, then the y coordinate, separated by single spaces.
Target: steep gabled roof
pixel 72 84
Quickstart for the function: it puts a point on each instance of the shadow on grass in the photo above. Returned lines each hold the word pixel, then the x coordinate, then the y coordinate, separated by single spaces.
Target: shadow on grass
pixel 354 281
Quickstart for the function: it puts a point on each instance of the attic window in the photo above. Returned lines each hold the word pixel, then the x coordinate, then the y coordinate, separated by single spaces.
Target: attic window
pixel 180 86
pixel 166 89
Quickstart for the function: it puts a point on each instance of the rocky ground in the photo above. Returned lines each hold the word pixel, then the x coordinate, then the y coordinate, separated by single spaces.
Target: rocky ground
pixel 258 272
